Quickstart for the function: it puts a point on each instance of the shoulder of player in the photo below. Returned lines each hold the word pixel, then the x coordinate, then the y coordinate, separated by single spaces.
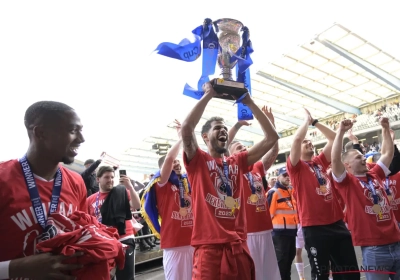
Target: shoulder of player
pixel 7 166
pixel 91 197
pixel 236 157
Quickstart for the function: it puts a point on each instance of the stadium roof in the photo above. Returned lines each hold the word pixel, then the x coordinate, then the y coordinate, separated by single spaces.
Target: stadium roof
pixel 335 72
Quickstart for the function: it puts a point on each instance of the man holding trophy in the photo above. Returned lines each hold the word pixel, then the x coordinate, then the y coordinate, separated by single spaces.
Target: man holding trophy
pixel 219 218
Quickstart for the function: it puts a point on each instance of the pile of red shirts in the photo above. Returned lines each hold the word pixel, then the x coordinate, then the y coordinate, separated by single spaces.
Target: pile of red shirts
pixel 81 232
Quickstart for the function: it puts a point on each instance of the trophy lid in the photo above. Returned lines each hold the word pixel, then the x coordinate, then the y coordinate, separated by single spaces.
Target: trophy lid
pixel 228 25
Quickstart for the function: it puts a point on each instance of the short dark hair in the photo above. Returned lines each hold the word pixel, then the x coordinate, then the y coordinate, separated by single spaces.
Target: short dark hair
pixel 44 110
pixel 104 169
pixel 161 162
pixel 207 126
pixel 89 161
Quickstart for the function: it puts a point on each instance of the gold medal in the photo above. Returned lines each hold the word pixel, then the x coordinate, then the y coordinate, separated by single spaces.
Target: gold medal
pixel 390 197
pixel 183 212
pixel 323 189
pixel 377 209
pixel 229 202
pixel 253 198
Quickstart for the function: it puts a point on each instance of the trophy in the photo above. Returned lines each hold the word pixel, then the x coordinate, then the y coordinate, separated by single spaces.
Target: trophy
pixel 227 31
pixel 226 42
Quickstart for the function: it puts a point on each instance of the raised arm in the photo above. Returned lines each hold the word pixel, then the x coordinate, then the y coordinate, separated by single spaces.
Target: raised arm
pixel 189 124
pixel 269 158
pixel 295 150
pixel 166 169
pixel 135 200
pixel 88 171
pixel 336 154
pixel 330 136
pixel 395 164
pixel 270 134
pixel 387 143
pixel 354 139
pixel 234 130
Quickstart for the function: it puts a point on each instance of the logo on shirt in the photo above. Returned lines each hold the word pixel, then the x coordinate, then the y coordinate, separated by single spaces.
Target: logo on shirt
pixel 384 215
pixel 218 202
pixel 393 191
pixel 187 220
pixel 262 200
pixel 25 220
pixel 325 189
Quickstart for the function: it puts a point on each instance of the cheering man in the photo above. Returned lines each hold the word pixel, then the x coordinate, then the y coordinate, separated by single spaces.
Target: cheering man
pixel 370 218
pixel 326 236
pixel 219 218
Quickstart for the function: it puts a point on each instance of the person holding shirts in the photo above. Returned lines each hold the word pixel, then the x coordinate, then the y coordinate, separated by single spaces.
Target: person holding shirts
pixel 35 186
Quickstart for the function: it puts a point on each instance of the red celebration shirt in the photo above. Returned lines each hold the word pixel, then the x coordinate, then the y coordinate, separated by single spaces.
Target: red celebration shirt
pixel 311 201
pixel 213 222
pixel 368 228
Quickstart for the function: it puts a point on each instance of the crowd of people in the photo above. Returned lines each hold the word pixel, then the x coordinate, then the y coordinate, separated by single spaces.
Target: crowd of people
pixel 220 220
pixel 368 119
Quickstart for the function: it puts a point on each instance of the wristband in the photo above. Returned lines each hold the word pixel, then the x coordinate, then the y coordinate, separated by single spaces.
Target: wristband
pixel 314 122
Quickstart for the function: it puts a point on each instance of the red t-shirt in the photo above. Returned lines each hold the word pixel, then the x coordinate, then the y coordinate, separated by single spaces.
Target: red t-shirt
pixel 176 230
pixel 257 214
pixel 394 186
pixel 19 228
pixel 91 202
pixel 368 228
pixel 102 251
pixel 213 222
pixel 315 207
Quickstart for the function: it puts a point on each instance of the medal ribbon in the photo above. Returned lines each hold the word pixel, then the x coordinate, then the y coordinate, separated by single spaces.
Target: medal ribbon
pixel 253 189
pixel 34 193
pixel 96 210
pixel 387 190
pixel 182 190
pixel 321 180
pixel 224 177
pixel 370 186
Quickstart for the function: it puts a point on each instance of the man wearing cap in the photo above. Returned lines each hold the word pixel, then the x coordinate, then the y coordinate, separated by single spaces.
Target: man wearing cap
pixel 89 176
pixel 284 221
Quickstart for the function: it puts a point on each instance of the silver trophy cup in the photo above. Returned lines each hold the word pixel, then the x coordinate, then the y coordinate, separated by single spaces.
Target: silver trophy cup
pixel 229 39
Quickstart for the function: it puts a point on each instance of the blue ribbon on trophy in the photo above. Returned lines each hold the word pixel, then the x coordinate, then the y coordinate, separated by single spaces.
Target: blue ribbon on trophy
pixel 224 49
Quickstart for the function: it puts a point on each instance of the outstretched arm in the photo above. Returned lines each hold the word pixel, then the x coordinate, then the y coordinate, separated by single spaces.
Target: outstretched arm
pixel 189 124
pixel 270 135
pixel 166 169
pixel 269 158
pixel 337 164
pixel 234 130
pixel 295 150
pixel 330 136
pixel 387 143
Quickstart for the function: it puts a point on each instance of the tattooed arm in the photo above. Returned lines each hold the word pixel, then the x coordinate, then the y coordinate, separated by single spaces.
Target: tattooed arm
pixel 189 124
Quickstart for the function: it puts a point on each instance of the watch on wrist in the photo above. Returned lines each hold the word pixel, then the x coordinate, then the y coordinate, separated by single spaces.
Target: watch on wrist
pixel 314 122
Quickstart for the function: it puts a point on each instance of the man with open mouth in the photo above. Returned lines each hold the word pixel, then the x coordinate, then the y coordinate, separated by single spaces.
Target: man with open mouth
pixel 219 227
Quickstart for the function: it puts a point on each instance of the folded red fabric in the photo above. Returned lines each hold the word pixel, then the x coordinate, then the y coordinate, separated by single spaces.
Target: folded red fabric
pixel 81 232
